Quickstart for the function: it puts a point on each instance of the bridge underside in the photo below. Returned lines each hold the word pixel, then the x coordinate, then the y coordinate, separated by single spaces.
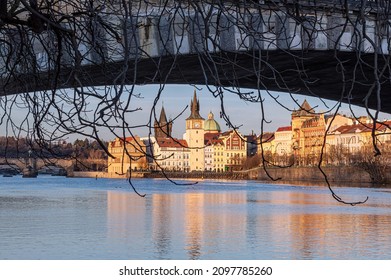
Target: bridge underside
pixel 343 76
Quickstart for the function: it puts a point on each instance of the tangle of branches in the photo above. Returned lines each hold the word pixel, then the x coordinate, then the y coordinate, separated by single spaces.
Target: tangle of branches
pixel 71 67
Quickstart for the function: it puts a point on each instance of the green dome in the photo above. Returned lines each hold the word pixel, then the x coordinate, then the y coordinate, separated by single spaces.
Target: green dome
pixel 211 125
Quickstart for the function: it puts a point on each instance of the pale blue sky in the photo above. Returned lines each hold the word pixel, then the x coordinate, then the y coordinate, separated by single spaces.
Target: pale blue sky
pixel 242 113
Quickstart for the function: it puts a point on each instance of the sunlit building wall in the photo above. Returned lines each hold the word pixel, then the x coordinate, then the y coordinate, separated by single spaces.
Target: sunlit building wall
pixel 127 154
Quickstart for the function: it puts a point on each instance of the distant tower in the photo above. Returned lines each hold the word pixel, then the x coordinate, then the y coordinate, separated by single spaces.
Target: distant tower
pixel 163 128
pixel 299 116
pixel 210 125
pixel 195 135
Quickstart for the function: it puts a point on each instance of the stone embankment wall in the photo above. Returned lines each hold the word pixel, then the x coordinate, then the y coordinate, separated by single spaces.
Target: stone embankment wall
pixel 101 174
pixel 199 175
pixel 298 175
pixel 183 175
pixel 335 174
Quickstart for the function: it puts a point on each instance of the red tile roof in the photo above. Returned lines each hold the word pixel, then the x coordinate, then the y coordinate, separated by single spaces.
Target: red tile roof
pixel 171 143
pixel 208 136
pixel 122 140
pixel 284 128
pixel 353 128
pixel 214 142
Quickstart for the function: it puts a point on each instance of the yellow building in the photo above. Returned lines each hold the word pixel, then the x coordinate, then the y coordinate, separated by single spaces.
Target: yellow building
pixel 313 132
pixel 218 154
pixel 309 131
pixel 348 142
pixel 235 150
pixel 306 112
pixel 335 121
pixel 129 154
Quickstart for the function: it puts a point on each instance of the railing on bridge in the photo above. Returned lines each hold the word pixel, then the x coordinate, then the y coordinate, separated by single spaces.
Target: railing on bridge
pixel 81 34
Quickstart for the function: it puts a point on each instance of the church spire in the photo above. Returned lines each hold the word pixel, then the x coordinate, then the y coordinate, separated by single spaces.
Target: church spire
pixel 163 128
pixel 163 117
pixel 195 108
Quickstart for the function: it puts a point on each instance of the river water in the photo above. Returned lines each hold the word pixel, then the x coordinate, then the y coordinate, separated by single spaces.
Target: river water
pixel 82 218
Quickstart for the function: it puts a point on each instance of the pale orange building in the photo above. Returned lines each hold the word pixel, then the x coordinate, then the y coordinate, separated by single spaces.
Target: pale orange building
pixel 313 132
pixel 305 113
pixel 128 154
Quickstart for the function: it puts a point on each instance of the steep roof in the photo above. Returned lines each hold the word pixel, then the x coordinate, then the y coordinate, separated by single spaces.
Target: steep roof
pixel 305 110
pixel 195 108
pixel 163 116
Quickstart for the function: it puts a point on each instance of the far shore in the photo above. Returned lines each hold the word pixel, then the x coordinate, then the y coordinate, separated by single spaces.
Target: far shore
pixel 313 177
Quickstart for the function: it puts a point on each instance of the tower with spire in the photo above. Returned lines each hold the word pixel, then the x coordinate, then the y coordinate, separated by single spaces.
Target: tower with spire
pixel 163 128
pixel 195 135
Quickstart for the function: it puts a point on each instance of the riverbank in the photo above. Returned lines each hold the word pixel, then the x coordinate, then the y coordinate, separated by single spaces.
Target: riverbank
pixel 101 174
pixel 169 174
pixel 200 175
pixel 336 175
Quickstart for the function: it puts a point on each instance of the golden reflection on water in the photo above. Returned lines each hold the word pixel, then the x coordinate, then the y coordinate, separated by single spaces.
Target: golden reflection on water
pixel 279 225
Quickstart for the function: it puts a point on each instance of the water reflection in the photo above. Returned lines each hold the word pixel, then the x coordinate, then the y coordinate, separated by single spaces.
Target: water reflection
pixel 249 225
pixel 162 224
pixel 66 219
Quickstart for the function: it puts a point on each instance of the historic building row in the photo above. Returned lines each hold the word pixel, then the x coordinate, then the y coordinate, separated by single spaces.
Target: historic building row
pixel 304 140
pixel 204 147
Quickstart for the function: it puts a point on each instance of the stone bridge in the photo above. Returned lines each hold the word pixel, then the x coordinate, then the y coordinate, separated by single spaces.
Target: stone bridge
pixel 332 49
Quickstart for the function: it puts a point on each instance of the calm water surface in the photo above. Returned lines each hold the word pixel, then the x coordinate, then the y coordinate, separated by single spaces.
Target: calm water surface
pixel 69 218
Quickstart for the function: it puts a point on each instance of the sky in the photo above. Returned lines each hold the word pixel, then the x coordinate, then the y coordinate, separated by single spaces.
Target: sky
pixel 246 115
pixel 243 114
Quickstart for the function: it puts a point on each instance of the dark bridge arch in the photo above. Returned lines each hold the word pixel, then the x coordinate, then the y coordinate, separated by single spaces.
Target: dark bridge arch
pixel 316 73
pixel 331 49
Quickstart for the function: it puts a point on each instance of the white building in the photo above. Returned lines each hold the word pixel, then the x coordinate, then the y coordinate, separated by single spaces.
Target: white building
pixel 283 140
pixel 170 154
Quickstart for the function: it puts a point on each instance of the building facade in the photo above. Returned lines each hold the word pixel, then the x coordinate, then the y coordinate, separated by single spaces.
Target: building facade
pixel 170 154
pixel 128 154
pixel 235 150
pixel 283 140
pixel 194 136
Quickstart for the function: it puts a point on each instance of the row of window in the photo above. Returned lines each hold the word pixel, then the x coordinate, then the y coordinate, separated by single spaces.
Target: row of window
pixel 173 163
pixel 175 156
